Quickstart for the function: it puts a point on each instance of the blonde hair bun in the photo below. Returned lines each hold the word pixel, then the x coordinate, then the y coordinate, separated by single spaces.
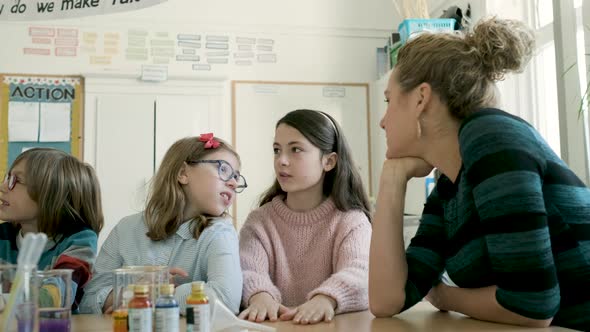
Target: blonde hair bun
pixel 504 46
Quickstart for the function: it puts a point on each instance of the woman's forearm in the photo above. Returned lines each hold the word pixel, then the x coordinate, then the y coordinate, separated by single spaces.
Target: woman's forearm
pixel 387 262
pixel 481 303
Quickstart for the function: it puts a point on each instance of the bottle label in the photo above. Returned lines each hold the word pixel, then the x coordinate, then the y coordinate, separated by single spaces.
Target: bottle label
pixel 167 319
pixel 197 318
pixel 140 320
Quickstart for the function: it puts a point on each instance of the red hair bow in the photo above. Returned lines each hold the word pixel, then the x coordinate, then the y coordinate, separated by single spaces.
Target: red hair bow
pixel 209 140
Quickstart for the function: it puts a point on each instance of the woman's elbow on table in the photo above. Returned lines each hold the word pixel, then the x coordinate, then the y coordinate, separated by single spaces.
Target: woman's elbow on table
pixel 385 307
pixel 539 323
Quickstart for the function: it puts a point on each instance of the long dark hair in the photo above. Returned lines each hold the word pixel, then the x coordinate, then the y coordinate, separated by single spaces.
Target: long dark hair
pixel 343 183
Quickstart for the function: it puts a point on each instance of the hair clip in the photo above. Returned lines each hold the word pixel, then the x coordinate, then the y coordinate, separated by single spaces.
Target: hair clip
pixel 209 140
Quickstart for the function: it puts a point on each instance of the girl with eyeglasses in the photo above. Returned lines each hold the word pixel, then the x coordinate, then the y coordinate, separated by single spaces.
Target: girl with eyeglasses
pixel 305 251
pixel 185 226
pixel 47 190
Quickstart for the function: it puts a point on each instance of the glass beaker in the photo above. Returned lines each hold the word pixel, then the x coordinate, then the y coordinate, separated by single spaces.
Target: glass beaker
pixel 55 300
pixel 25 303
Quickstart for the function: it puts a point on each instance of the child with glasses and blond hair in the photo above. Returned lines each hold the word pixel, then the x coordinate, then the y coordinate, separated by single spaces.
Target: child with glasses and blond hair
pixel 47 190
pixel 185 225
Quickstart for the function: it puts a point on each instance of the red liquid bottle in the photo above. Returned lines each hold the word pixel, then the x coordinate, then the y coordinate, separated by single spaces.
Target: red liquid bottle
pixel 140 310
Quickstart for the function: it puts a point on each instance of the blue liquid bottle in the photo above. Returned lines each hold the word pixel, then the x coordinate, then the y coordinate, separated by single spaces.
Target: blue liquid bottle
pixel 167 311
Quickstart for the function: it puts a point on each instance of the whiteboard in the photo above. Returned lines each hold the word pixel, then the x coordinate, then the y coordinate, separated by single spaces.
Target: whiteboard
pixel 256 108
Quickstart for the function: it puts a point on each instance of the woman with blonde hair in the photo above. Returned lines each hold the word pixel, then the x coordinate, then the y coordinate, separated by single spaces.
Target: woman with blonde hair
pixel 507 221
pixel 184 226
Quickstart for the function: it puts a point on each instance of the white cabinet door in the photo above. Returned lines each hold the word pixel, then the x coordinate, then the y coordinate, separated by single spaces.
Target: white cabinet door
pixel 178 117
pixel 124 154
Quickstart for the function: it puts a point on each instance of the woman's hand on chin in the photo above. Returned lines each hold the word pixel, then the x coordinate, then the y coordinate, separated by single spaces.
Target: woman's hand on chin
pixel 406 168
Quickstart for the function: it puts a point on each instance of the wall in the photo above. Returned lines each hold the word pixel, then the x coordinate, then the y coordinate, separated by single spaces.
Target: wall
pixel 313 41
pixel 316 41
pixel 327 41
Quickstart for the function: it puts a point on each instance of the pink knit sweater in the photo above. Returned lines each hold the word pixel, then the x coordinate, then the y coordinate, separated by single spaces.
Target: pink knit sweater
pixel 296 255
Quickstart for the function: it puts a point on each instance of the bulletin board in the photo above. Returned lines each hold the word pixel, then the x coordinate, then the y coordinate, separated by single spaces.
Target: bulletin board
pixel 40 111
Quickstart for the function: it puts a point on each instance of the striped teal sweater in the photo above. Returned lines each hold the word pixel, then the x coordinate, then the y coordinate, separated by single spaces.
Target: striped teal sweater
pixel 517 217
pixel 74 250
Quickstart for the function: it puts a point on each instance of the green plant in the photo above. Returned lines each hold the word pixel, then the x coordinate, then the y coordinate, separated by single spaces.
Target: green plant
pixel 584 100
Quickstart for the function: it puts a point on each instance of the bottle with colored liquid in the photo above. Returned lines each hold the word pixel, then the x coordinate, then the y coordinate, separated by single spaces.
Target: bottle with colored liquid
pixel 197 309
pixel 167 311
pixel 120 315
pixel 120 320
pixel 140 310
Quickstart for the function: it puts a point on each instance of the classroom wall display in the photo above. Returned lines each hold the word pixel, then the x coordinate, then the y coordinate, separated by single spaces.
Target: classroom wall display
pixel 40 111
pixel 23 10
pixel 199 51
pixel 61 42
pixel 99 48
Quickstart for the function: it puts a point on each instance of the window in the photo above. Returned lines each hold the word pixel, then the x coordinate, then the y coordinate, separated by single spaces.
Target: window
pixel 532 94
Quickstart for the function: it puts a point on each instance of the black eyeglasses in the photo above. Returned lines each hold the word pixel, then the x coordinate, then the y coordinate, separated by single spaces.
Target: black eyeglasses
pixel 226 172
pixel 11 180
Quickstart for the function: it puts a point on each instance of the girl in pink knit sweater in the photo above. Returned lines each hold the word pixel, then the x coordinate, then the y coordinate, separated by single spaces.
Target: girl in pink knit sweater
pixel 304 251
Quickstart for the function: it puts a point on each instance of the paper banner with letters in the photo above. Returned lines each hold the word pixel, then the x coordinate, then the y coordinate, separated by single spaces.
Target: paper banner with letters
pixel 26 10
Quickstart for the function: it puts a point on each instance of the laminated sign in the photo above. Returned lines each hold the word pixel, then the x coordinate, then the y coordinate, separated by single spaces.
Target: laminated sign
pixel 26 10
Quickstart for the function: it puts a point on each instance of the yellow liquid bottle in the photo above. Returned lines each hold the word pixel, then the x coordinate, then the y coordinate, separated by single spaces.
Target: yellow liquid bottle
pixel 120 320
pixel 121 315
pixel 197 309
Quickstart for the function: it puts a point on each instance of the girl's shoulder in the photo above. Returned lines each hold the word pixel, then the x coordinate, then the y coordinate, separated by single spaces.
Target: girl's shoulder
pixel 258 215
pixel 81 241
pixel 84 232
pixel 132 223
pixel 258 222
pixel 219 229
pixel 220 225
pixel 353 217
pixel 84 237
pixel 351 223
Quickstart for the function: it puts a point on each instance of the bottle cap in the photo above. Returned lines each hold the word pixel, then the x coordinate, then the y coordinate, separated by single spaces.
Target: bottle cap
pixel 167 289
pixel 140 289
pixel 198 286
pixel 127 294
